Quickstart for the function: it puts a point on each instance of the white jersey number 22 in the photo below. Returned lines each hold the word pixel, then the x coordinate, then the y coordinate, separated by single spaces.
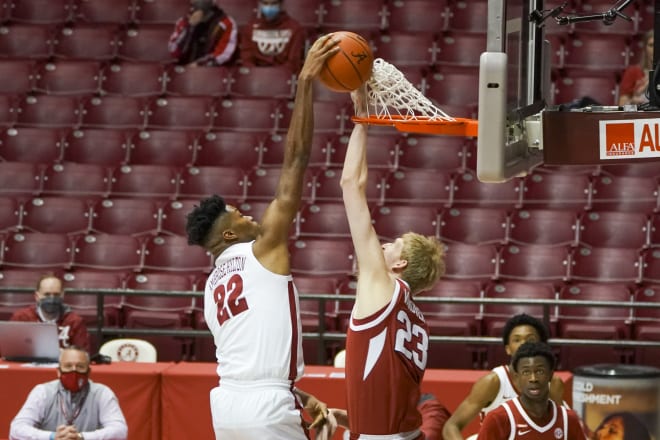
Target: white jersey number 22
pixel 227 299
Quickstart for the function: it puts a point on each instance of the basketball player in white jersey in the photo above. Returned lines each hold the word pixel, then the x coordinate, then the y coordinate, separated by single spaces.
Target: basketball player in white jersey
pixel 250 302
pixel 387 339
pixel 496 387
pixel 532 415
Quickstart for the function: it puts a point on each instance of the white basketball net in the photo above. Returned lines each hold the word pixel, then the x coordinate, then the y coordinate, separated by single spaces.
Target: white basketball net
pixel 389 91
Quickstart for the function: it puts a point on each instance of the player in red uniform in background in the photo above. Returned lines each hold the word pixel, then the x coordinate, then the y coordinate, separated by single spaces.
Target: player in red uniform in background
pixel 50 308
pixel 532 415
pixel 387 339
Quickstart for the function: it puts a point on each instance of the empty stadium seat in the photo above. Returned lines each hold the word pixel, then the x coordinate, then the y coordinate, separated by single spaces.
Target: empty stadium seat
pixel 606 264
pixel 25 41
pixel 327 186
pixel 20 179
pixel 625 193
pixel 382 151
pixel 461 48
pixel 229 182
pixel 49 111
pixel 639 169
pixel 102 11
pixel 322 220
pixel 310 313
pixel 651 266
pixel 262 184
pixel 239 10
pixel 454 85
pixel 321 257
pixel 445 154
pixel 174 254
pixel 162 147
pixel 596 51
pixel 198 81
pixel 355 15
pixel 654 233
pixel 27 144
pixel 153 181
pixel 471 262
pixel 247 114
pixel 17 75
pixel 42 11
pixel 392 221
pixel 76 180
pixel 614 229
pixel 306 12
pixel 229 148
pixel 8 110
pixel 133 79
pixel 34 250
pixel 534 263
pixel 181 112
pixel 61 215
pixel 174 216
pixel 264 82
pixel 11 212
pixel 469 16
pixel 404 48
pixel 556 191
pixel 647 324
pixel 68 77
pixel 419 187
pixel 12 300
pixel 552 227
pixel 106 147
pixel 474 225
pixel 160 11
pixel 86 305
pixel 145 43
pixel 126 216
pixel 86 42
pixel 418 15
pixel 111 252
pixel 573 84
pixel 114 112
pixel 470 191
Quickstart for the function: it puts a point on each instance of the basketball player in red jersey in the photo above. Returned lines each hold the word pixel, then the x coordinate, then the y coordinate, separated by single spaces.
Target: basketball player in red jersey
pixel 250 302
pixel 387 339
pixel 532 415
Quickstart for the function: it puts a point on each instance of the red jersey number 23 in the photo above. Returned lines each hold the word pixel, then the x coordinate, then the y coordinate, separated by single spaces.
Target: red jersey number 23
pixel 228 299
pixel 411 340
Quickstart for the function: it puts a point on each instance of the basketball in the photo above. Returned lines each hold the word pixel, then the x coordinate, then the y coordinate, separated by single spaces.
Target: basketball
pixel 349 68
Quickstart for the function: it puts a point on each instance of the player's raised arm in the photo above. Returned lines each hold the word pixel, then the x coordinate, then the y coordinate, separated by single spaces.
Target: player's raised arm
pixel 277 219
pixel 373 268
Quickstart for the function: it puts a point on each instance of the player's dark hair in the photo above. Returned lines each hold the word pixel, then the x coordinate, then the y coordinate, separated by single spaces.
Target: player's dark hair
pixel 201 219
pixel 524 319
pixel 633 427
pixel 533 349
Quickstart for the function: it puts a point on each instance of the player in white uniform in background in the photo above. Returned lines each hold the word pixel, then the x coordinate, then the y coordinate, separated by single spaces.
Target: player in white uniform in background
pixel 498 386
pixel 250 302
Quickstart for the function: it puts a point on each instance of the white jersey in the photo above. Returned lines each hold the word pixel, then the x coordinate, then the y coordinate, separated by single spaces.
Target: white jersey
pixel 506 392
pixel 254 318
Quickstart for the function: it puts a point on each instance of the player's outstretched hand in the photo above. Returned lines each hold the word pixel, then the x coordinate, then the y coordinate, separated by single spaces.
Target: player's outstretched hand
pixel 360 100
pixel 322 49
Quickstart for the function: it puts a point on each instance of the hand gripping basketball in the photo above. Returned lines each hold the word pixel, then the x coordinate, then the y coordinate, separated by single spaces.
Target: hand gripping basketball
pixel 349 68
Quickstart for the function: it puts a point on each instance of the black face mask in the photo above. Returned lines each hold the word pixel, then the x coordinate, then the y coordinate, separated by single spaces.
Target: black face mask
pixel 51 305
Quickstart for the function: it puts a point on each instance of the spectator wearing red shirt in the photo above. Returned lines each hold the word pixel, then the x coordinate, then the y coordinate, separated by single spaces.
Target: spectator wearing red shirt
pixel 273 38
pixel 635 79
pixel 206 37
pixel 50 308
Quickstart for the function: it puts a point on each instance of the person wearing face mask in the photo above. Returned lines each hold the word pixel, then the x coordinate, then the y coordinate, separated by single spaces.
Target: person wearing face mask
pixel 273 38
pixel 206 37
pixel 71 407
pixel 49 307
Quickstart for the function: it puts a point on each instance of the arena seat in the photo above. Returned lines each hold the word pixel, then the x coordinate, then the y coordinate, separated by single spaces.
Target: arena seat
pixel 647 324
pixel 309 309
pixel 654 233
pixel 322 220
pixel 86 305
pixel 533 262
pixel 461 48
pixel 247 114
pixel 68 77
pixel 102 11
pixel 239 10
pixel 197 182
pixel 86 42
pixel 60 215
pixel 198 81
pixel 599 51
pixel 162 147
pixel 419 187
pixel 152 181
pixel 262 184
pixel 17 75
pixel 273 147
pixel 105 147
pixel 145 43
pixel 29 144
pixel 160 11
pixel 469 16
pixel 639 169
pixel 327 186
pixel 446 154
pixel 49 111
pixel 392 221
pixel 76 180
pixel 556 191
pixel 471 262
pixel 8 110
pixel 26 41
pixel 11 212
pixel 181 113
pixel 20 179
pixel 470 191
pixel 11 300
pixel 606 265
pixel 625 193
pixel 651 266
pixel 551 227
pixel 133 79
pixel 35 250
pixel 322 257
pixel 614 229
pixel 355 15
pixel 382 151
pixel 454 86
pixel 404 48
pixel 174 254
pixel 229 148
pixel 263 82
pixel 124 216
pixel 114 112
pixel 472 225
pixel 174 216
pixel 575 83
pixel 110 252
pixel 42 11
pixel 418 15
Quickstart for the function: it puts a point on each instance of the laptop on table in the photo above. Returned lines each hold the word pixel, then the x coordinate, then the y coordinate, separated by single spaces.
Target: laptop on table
pixel 29 341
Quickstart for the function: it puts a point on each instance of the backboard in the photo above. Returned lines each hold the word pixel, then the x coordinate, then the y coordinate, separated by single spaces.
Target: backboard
pixel 514 86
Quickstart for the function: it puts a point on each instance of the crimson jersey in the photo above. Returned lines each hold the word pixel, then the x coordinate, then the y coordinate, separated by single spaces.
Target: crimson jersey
pixel 385 361
pixel 72 329
pixel 510 421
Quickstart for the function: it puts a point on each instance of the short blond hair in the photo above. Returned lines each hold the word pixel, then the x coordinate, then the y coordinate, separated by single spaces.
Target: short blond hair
pixel 425 257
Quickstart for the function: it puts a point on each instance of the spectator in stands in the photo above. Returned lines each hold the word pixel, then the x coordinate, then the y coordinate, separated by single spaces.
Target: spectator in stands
pixel 273 38
pixel 206 37
pixel 635 79
pixel 70 407
pixel 50 307
pixel 498 386
pixel 621 426
pixel 532 414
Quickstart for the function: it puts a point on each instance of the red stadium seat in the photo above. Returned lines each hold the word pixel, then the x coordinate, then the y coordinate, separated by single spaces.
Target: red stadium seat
pixel 111 252
pixel 614 229
pixel 60 215
pixel 8 110
pixel 419 187
pixel 647 324
pixel 198 81
pixel 255 209
pixel 262 184
pixel 108 148
pixel 323 146
pixel 445 154
pixel 153 181
pixel 174 254
pixel 43 251
pixel 418 15
pixel 309 309
pixel 114 112
pixel 556 191
pixel 474 225
pixel 17 75
pixel 470 191
pixel 174 216
pixel 625 193
pixel 322 220
pixel 533 262
pixel 49 111
pixel 133 79
pixel 471 262
pixel 404 48
pixel 102 11
pixel 263 82
pixel 42 11
pixel 606 265
pixel 599 323
pixel 327 186
pixel 181 112
pixel 11 213
pixel 454 86
pixel 12 300
pixel 86 42
pixel 651 266
pixel 160 11
pixel 76 180
pixel 469 16
pixel 392 221
pixel 654 234
pixel 162 147
pixel 239 10
pixel 85 305
pixel 382 151
pixel 247 114
pixel 552 227
pixel 20 179
pixel 306 12
pixel 461 48
pixel 354 15
pixel 198 182
pixel 26 144
pixel 602 86
pixel 597 51
pixel 26 41
pixel 229 148
pixel 639 169
pixel 126 217
pixel 145 43
pixel 68 78
pixel 321 257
